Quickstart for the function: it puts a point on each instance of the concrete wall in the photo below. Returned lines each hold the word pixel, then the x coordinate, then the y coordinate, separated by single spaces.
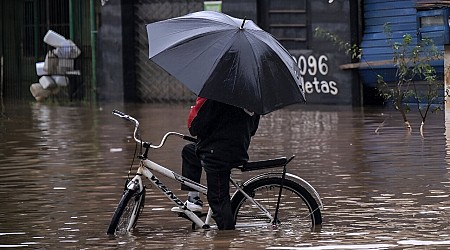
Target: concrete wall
pixel 241 9
pixel 115 52
pixel 337 19
pixel 325 82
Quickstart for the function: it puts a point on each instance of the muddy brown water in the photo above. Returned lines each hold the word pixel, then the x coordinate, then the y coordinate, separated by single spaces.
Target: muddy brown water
pixel 62 170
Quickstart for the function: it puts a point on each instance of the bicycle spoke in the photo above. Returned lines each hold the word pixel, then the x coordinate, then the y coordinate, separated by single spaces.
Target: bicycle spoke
pixel 127 212
pixel 125 220
pixel 294 208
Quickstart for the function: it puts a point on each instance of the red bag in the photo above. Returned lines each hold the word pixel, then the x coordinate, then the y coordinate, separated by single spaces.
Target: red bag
pixel 194 110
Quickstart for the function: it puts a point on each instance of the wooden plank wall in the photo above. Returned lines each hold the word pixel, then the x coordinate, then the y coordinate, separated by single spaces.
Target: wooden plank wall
pixel 401 14
pixel 425 4
pixel 402 18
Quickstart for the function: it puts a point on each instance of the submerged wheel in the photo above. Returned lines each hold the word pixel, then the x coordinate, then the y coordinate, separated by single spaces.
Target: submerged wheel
pixel 297 208
pixel 127 212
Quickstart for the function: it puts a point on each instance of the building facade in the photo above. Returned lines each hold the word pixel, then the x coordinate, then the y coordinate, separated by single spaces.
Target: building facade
pixel 292 22
pixel 115 66
pixel 420 19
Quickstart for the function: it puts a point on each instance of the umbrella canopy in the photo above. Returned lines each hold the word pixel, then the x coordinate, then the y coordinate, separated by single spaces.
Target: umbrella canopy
pixel 226 59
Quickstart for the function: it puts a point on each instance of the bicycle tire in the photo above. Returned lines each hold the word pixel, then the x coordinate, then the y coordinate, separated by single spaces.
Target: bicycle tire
pixel 297 206
pixel 127 212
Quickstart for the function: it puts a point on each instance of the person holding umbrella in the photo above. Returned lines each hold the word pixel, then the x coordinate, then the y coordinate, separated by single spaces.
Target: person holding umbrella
pixel 239 72
pixel 223 137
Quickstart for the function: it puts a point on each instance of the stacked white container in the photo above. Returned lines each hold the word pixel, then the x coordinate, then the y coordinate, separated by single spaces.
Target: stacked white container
pixel 58 63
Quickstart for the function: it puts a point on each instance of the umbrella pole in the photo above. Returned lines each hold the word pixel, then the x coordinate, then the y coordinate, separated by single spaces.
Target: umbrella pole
pixel 243 22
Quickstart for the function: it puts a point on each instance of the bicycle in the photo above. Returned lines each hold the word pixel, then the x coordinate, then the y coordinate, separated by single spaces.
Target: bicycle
pixel 267 199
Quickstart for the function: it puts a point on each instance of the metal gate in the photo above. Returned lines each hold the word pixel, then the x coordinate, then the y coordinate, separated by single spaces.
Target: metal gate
pixel 153 83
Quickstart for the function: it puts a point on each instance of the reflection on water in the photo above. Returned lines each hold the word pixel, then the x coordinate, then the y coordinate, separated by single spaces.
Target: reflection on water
pixel 62 171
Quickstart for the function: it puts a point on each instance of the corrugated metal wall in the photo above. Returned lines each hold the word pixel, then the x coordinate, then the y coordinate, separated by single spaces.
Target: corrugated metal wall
pixel 153 83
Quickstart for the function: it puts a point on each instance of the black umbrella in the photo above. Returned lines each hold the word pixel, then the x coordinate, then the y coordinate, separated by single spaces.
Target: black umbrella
pixel 226 59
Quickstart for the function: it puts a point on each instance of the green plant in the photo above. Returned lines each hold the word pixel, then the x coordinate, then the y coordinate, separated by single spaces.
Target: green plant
pixel 413 70
pixel 350 49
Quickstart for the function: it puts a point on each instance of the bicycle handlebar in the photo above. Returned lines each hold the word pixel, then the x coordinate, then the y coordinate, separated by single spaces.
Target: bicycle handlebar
pixel 125 116
pixel 136 128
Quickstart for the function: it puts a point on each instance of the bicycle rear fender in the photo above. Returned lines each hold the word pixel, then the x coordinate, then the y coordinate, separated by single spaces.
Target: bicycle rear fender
pixel 292 177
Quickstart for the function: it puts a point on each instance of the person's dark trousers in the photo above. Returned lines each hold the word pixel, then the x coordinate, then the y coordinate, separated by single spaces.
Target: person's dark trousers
pixel 191 165
pixel 218 183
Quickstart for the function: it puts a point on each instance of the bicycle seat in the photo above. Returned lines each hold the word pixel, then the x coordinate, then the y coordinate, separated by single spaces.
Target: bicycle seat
pixel 271 163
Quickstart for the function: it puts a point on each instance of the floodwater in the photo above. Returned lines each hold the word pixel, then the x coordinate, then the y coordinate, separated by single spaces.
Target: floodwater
pixel 62 170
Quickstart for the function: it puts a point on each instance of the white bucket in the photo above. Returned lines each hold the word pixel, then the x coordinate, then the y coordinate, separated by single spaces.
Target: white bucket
pixel 46 82
pixel 54 39
pixel 62 81
pixel 38 92
pixel 40 71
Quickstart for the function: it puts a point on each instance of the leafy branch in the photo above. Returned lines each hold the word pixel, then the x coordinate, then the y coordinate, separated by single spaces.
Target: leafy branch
pixel 352 50
pixel 412 63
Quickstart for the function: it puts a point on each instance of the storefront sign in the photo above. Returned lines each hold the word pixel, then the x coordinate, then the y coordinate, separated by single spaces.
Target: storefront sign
pixel 315 71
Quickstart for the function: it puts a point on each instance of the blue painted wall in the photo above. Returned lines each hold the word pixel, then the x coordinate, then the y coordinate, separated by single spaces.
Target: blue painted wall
pixel 403 18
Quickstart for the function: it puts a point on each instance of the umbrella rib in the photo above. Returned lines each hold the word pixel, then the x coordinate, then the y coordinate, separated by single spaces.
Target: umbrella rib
pixel 234 22
pixel 193 59
pixel 274 40
pixel 209 20
pixel 235 75
pixel 258 70
pixel 180 42
pixel 271 70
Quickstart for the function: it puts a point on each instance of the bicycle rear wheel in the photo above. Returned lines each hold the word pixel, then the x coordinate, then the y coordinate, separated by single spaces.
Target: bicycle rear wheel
pixel 297 208
pixel 127 212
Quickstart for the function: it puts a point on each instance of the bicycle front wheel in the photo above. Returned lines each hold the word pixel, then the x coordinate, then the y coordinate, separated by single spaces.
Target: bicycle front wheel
pixel 297 207
pixel 127 212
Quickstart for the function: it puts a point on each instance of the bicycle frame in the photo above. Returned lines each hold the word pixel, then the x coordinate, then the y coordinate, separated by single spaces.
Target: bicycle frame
pixel 147 167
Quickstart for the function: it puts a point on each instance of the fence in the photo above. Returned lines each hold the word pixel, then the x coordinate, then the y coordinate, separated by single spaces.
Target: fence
pixel 153 83
pixel 23 26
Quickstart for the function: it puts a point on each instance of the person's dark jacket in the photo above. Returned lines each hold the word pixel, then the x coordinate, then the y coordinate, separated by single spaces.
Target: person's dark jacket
pixel 223 134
